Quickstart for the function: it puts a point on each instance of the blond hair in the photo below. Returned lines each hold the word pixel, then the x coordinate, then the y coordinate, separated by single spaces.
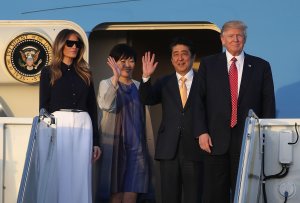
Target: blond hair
pixel 80 65
pixel 235 24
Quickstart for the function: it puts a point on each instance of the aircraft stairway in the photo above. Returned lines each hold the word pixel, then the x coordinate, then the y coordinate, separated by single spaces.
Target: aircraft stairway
pixel 38 183
pixel 269 169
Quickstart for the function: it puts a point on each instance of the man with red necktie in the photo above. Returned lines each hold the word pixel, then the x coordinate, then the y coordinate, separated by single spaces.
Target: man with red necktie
pixel 231 83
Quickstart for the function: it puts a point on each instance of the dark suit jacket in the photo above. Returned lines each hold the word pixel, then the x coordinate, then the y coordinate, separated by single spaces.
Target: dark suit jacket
pixel 256 92
pixel 177 122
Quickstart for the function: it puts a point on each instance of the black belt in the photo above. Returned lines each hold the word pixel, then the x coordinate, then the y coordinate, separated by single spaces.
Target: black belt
pixel 71 110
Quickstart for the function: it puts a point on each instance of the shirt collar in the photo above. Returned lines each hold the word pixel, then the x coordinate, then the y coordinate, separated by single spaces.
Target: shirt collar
pixel 188 76
pixel 239 58
pixel 64 67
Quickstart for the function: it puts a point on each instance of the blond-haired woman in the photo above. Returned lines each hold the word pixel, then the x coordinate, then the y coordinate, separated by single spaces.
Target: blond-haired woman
pixel 66 91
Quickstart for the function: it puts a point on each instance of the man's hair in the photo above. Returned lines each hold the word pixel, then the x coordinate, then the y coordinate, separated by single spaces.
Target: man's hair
pixel 183 41
pixel 235 24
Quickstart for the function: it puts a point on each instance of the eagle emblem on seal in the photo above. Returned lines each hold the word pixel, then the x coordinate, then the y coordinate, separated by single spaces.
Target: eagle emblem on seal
pixel 26 55
pixel 30 58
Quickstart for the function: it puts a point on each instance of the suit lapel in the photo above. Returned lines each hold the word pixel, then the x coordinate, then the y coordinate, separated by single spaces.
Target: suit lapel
pixel 192 91
pixel 246 76
pixel 223 78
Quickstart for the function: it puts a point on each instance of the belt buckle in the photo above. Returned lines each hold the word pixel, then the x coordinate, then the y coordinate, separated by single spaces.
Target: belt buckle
pixel 71 110
pixel 76 110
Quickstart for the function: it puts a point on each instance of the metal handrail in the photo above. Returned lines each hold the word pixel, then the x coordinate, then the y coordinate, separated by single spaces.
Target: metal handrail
pixel 29 155
pixel 29 173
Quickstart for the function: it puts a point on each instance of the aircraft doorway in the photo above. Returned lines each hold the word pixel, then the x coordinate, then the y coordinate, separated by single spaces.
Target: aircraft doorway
pixel 154 37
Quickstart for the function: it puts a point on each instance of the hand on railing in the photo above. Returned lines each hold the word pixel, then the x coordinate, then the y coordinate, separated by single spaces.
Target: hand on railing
pixel 45 114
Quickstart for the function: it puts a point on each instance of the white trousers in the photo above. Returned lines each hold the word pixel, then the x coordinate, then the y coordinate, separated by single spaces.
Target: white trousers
pixel 74 157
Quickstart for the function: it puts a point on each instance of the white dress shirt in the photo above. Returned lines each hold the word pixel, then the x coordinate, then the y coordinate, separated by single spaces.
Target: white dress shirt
pixel 239 64
pixel 189 79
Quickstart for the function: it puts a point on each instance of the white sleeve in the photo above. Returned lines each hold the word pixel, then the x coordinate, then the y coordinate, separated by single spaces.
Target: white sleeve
pixel 107 94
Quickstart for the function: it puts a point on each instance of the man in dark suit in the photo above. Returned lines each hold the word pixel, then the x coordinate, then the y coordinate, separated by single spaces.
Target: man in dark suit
pixel 229 88
pixel 176 149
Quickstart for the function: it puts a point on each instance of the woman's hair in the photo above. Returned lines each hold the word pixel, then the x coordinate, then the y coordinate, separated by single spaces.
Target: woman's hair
pixel 80 65
pixel 122 51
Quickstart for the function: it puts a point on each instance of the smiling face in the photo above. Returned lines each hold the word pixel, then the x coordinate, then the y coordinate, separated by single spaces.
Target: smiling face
pixel 233 39
pixel 126 67
pixel 182 59
pixel 70 52
pixel 125 58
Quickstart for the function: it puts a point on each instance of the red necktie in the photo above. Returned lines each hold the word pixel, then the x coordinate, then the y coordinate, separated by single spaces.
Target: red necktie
pixel 233 80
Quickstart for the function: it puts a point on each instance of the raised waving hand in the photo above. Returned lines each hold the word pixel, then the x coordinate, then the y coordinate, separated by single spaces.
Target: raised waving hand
pixel 149 65
pixel 115 68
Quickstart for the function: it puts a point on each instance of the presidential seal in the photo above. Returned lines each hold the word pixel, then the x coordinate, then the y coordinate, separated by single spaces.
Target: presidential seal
pixel 26 55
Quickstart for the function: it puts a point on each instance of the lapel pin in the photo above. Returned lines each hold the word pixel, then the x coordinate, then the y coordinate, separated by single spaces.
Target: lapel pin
pixel 249 65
